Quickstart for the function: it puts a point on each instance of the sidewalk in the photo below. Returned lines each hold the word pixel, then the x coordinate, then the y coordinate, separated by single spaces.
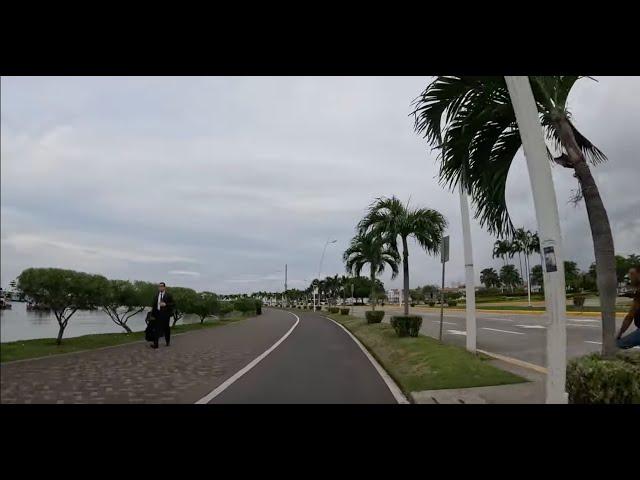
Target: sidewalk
pixel 194 364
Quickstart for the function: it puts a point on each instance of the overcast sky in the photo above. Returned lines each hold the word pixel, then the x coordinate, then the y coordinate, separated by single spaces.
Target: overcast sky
pixel 216 183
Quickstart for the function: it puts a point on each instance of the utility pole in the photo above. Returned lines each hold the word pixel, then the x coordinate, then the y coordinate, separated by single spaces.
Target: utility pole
pixel 546 206
pixel 470 301
pixel 444 258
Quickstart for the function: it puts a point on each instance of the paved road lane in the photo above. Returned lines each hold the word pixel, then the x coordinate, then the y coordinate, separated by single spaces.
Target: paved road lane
pixel 519 336
pixel 317 363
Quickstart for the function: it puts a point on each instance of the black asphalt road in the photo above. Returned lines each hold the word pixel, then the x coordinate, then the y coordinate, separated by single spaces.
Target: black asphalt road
pixel 317 363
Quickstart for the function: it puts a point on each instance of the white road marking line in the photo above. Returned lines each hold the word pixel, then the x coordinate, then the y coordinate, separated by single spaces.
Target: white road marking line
pixel 498 319
pixel 457 332
pixel 228 382
pixel 582 320
pixel 590 341
pixel 581 325
pixel 391 385
pixel 531 326
pixel 445 323
pixel 503 331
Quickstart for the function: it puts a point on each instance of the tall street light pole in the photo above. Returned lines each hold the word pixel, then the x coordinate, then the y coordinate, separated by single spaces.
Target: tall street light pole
pixel 546 206
pixel 320 271
pixel 470 301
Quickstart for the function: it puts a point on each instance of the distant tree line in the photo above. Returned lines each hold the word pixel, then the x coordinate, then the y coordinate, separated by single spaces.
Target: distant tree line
pixel 67 291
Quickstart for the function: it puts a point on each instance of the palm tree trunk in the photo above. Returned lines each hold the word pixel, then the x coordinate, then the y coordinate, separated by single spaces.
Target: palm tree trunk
pixel 521 272
pixel 600 233
pixel 373 288
pixel 405 271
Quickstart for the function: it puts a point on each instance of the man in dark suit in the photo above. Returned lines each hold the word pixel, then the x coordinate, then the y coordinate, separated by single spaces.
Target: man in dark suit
pixel 162 308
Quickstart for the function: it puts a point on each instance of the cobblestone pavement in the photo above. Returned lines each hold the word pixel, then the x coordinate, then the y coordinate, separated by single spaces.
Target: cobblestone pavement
pixel 194 364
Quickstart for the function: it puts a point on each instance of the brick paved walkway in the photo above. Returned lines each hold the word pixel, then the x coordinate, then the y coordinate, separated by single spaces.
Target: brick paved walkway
pixel 194 364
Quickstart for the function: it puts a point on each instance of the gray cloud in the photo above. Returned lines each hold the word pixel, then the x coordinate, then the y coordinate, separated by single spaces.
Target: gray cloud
pixel 216 183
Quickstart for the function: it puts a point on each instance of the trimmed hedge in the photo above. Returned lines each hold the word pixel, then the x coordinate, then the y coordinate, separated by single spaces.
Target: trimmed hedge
pixel 432 303
pixel 408 326
pixel 344 311
pixel 593 379
pixel 452 303
pixel 334 309
pixel 374 316
pixel 318 308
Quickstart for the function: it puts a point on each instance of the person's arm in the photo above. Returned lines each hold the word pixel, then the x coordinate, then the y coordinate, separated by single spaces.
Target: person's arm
pixel 628 318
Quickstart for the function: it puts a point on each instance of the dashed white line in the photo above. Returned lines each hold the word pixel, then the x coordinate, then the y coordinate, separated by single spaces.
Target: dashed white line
pixel 531 326
pixel 503 331
pixel 496 319
pixel 581 325
pixel 457 332
pixel 591 341
pixel 445 323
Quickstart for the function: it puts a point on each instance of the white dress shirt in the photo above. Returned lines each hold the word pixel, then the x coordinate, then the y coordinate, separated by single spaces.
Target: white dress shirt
pixel 160 295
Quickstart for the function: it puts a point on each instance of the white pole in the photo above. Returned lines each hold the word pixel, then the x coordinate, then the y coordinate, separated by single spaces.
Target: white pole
pixel 544 199
pixel 468 270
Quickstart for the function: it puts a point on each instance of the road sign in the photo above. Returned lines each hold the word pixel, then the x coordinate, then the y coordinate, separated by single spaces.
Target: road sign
pixel 444 249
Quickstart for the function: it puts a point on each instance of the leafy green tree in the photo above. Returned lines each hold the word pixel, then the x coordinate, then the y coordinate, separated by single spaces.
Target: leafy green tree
pixel 185 301
pixel 537 275
pixel 489 278
pixel 388 219
pixel 510 276
pixel 430 291
pixel 417 295
pixel 205 305
pixel 65 291
pixel 472 123
pixel 122 300
pixel 369 249
pixel 571 275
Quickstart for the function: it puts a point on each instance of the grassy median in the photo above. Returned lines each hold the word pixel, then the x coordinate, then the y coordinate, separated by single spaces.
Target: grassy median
pixel 422 363
pixel 44 347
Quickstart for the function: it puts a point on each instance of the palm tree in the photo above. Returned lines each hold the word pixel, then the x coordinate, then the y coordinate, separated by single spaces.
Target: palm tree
pixel 388 218
pixel 509 276
pixel 370 249
pixel 489 277
pixel 472 122
pixel 501 249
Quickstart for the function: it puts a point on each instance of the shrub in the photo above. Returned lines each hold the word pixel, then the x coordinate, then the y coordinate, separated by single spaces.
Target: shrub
pixel 344 311
pixel 452 303
pixel 334 309
pixel 225 308
pixel 374 316
pixel 593 379
pixel 318 308
pixel 578 300
pixel 245 305
pixel 258 307
pixel 413 304
pixel 407 326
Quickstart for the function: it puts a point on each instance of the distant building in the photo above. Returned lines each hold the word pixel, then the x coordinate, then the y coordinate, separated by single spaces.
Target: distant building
pixel 394 295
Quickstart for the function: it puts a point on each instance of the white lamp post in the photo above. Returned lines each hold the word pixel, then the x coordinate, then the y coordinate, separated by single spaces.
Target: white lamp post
pixel 320 269
pixel 470 293
pixel 544 199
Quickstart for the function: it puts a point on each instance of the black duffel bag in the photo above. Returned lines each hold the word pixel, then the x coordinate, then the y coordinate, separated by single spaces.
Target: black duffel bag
pixel 150 331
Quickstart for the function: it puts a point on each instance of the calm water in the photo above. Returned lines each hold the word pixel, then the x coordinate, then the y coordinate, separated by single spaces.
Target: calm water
pixel 18 324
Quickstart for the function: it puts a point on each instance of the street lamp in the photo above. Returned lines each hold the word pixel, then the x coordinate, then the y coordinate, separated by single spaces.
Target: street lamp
pixel 320 270
pixel 546 207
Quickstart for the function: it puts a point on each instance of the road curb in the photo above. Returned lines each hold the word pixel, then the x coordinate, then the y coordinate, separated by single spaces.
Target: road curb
pixel 391 384
pixel 515 361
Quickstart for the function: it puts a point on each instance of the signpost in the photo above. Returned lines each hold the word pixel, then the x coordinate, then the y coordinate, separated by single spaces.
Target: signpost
pixel 444 258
